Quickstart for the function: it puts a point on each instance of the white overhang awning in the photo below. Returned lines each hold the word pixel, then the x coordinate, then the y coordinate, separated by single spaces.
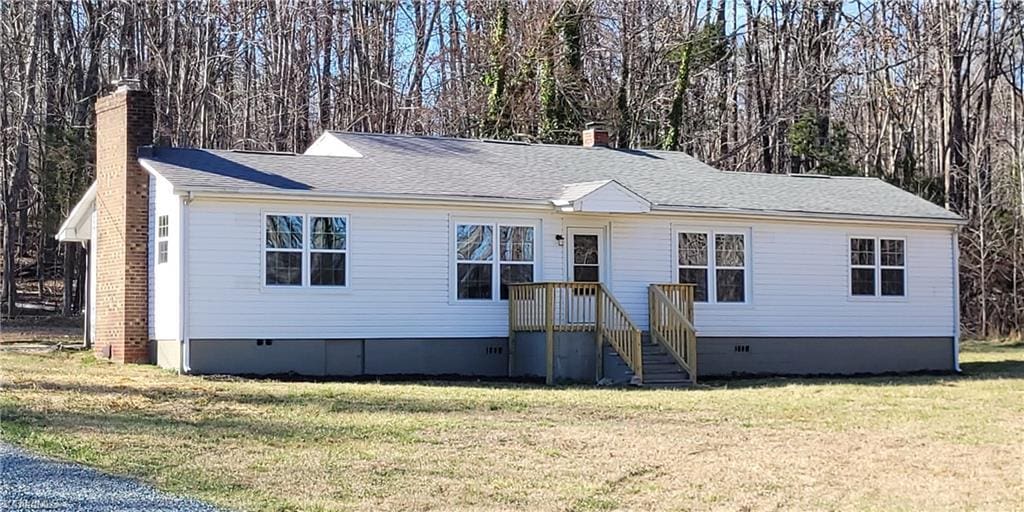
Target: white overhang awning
pixel 605 196
pixel 78 226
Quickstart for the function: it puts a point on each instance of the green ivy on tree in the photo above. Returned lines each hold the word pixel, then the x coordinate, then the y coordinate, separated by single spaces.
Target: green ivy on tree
pixel 702 49
pixel 816 153
pixel 494 78
pixel 559 113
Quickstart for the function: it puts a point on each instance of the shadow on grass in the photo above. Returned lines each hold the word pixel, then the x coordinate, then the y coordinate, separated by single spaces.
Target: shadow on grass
pixel 1007 368
pixel 209 428
pixel 278 391
pixel 975 370
pixel 335 400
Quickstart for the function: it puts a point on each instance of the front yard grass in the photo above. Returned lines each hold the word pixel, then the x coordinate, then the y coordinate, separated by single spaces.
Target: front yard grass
pixel 905 443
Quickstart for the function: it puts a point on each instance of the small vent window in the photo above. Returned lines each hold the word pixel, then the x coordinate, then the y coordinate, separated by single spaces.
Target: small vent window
pixel 161 254
pixel 162 226
pixel 162 232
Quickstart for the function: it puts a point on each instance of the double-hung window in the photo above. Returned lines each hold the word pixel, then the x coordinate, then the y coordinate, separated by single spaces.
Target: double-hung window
pixel 730 268
pixel 878 267
pixel 305 250
pixel 475 248
pixel 327 250
pixel 515 256
pixel 693 263
pixel 715 263
pixel 284 246
pixel 489 257
pixel 163 230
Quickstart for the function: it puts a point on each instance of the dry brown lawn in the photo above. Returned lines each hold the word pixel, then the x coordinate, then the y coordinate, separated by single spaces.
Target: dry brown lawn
pixel 893 443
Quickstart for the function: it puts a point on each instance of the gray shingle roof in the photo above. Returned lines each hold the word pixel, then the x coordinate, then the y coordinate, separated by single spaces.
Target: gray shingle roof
pixel 432 166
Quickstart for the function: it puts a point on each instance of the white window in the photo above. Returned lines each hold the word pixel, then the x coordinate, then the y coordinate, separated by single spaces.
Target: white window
pixel 327 251
pixel 284 243
pixel 162 232
pixel 489 257
pixel 693 263
pixel 862 266
pixel 515 255
pixel 162 226
pixel 878 267
pixel 294 243
pixel 730 267
pixel 716 263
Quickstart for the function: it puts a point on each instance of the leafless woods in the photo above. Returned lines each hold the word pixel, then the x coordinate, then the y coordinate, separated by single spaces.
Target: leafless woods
pixel 926 95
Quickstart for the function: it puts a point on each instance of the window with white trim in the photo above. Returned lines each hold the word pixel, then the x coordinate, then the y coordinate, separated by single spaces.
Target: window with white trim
pixel 489 257
pixel 715 263
pixel 327 250
pixel 693 263
pixel 730 267
pixel 162 232
pixel 515 256
pixel 878 267
pixel 284 246
pixel 294 243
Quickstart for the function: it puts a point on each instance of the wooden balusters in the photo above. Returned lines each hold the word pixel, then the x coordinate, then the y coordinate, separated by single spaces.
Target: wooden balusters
pixel 574 307
pixel 671 321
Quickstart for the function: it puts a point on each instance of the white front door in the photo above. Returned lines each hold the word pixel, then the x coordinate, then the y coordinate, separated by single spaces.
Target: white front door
pixel 587 255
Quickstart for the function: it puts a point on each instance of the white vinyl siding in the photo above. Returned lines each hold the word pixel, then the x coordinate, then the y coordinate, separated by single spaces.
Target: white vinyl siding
pixel 165 274
pixel 401 285
pixel 399 275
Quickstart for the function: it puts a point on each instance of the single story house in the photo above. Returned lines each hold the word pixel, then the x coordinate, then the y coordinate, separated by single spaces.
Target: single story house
pixel 376 254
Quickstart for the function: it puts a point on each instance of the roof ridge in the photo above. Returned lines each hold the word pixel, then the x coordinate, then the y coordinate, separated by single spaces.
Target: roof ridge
pixel 427 165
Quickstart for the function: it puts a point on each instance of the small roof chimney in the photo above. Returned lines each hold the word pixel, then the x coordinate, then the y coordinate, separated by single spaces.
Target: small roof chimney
pixel 595 134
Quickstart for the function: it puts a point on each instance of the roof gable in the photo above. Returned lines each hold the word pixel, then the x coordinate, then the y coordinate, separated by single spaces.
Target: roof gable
pixel 329 144
pixel 78 225
pixel 604 196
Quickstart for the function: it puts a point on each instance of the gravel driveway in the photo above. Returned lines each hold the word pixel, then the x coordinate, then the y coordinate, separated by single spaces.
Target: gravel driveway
pixel 32 482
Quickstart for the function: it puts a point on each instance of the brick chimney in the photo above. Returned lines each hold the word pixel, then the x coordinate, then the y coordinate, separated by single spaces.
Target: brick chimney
pixel 595 135
pixel 124 122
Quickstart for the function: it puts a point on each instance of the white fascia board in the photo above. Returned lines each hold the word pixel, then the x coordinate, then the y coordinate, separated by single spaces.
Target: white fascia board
pixel 807 216
pixel 409 199
pixel 68 231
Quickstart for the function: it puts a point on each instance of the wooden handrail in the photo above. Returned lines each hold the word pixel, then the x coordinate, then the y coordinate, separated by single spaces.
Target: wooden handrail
pixel 575 307
pixel 621 332
pixel 671 320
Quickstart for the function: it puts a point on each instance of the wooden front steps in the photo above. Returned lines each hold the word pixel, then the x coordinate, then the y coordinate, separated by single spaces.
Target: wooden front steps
pixel 661 369
pixel 665 356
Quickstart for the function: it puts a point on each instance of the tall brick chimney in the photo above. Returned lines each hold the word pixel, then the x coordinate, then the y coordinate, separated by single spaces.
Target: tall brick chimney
pixel 124 122
pixel 595 135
